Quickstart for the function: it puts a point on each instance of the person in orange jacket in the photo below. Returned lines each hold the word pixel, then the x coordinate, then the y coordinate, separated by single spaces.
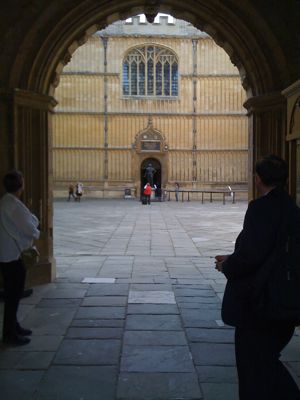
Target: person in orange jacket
pixel 147 192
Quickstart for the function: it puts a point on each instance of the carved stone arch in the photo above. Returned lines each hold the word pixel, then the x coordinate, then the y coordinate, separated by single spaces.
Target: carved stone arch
pixel 295 110
pixel 259 65
pixel 49 34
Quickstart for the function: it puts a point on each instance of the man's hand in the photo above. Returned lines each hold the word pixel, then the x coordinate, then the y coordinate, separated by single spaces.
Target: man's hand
pixel 219 261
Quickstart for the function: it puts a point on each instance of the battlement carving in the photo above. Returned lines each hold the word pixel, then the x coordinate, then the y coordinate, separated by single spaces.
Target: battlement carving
pixel 160 19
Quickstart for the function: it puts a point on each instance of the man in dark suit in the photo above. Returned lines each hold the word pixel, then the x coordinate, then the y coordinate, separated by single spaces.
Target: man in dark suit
pixel 258 341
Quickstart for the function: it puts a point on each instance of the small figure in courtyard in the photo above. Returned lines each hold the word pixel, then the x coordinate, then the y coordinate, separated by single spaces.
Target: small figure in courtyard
pixel 18 229
pixel 149 173
pixel 79 191
pixel 147 192
pixel 158 191
pixel 259 339
pixel 176 190
pixel 71 192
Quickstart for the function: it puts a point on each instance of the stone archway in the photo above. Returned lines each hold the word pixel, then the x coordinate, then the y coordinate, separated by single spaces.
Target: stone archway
pixel 47 38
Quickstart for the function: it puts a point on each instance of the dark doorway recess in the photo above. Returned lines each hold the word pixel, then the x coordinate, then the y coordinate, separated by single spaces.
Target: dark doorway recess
pixel 156 177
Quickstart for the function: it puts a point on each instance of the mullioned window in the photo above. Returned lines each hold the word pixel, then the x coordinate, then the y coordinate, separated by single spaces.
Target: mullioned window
pixel 150 71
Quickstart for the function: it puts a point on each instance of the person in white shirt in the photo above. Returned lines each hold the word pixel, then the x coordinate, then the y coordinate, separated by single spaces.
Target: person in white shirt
pixel 79 191
pixel 18 229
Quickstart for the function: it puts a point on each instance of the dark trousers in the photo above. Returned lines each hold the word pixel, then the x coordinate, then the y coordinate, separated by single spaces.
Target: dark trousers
pixel 14 274
pixel 71 195
pixel 261 374
pixel 148 198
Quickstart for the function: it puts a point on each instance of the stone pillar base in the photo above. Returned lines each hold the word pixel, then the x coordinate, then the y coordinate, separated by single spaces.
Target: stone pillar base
pixel 40 274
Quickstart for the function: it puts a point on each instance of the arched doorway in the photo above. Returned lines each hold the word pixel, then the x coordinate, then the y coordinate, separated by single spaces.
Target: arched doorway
pixel 157 174
pixel 32 66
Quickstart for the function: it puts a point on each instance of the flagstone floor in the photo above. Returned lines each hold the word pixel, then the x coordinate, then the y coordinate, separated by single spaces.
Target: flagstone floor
pixel 134 312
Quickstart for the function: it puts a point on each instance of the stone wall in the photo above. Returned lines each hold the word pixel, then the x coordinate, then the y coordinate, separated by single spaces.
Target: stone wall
pixel 94 127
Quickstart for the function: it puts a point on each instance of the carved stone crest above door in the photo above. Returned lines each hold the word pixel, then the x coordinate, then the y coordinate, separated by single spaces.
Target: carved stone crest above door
pixel 150 140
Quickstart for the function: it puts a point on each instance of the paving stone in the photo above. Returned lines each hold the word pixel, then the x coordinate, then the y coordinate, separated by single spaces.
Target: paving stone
pixel 213 354
pixel 198 282
pixel 186 272
pixel 292 351
pixel 95 323
pixel 104 301
pixel 193 292
pixel 64 286
pixel 65 294
pixel 152 309
pixel 210 335
pixel 197 299
pixel 295 366
pixel 136 279
pixel 35 360
pixel 154 386
pixel 217 374
pixel 99 280
pixel 156 359
pixel 41 343
pixel 78 383
pixel 200 306
pixel 19 385
pixel 88 352
pixel 151 287
pixel 200 314
pixel 153 322
pixel 108 289
pixel 55 303
pixel 171 281
pixel 94 333
pixel 100 312
pixel 220 391
pixel 49 321
pixel 9 359
pixel 152 338
pixel 152 297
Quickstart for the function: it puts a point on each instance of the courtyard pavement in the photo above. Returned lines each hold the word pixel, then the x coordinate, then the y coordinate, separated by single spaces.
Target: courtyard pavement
pixel 134 312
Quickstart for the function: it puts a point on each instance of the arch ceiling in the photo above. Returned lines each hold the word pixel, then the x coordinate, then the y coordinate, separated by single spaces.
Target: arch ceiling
pixel 38 37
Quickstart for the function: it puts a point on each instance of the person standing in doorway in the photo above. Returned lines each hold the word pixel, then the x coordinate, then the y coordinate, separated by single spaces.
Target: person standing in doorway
pixel 259 341
pixel 147 192
pixel 18 229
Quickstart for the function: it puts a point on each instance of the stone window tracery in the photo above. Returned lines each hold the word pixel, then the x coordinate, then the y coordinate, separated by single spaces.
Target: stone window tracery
pixel 150 70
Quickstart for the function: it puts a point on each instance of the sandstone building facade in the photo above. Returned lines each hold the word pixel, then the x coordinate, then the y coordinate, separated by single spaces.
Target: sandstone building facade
pixel 139 93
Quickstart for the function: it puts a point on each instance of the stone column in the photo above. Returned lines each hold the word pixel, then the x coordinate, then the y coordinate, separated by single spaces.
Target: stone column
pixel 267 130
pixel 26 134
pixel 194 151
pixel 292 94
pixel 105 42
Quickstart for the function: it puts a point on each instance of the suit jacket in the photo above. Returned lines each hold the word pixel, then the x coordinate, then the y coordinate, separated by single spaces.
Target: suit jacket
pixel 266 217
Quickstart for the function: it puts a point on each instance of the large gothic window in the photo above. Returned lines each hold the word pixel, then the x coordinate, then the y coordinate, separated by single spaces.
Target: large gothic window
pixel 150 71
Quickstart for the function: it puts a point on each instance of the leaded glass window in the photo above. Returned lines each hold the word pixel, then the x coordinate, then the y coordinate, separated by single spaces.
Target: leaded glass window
pixel 150 71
